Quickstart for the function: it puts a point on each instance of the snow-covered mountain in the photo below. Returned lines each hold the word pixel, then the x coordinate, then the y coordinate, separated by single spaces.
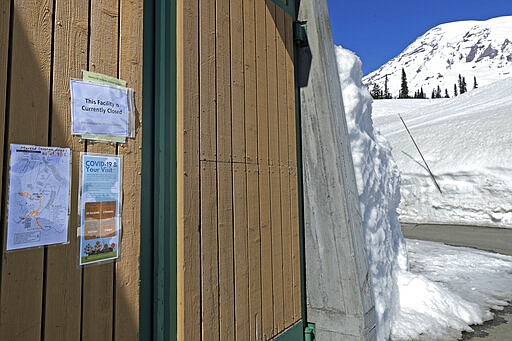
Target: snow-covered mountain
pixel 481 49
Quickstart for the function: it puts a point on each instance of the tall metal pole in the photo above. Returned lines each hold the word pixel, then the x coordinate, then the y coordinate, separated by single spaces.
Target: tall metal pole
pixel 419 151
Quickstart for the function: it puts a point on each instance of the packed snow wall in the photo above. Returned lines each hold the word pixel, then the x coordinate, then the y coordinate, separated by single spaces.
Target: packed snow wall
pixel 378 182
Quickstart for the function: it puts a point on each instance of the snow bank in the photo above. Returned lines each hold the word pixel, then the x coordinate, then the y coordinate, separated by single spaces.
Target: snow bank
pixel 448 289
pixel 466 141
pixel 378 184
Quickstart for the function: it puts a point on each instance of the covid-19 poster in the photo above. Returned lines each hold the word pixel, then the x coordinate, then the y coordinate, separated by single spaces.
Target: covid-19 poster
pixel 100 208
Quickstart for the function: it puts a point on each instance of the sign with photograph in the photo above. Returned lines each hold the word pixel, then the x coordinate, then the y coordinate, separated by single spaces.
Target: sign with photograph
pixel 100 208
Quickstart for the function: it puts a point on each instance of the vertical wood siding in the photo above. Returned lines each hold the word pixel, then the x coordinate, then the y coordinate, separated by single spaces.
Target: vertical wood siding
pixel 238 221
pixel 44 294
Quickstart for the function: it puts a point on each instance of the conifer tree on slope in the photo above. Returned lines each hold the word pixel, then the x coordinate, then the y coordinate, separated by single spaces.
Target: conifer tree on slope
pixel 376 91
pixel 475 84
pixel 455 90
pixel 404 91
pixel 462 85
pixel 386 95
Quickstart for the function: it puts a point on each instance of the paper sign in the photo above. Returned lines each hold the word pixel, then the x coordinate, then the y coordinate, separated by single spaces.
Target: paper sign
pixel 39 189
pixel 103 79
pixel 99 109
pixel 100 208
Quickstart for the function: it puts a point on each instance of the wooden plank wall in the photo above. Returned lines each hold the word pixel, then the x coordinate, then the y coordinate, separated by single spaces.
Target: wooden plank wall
pixel 237 171
pixel 44 294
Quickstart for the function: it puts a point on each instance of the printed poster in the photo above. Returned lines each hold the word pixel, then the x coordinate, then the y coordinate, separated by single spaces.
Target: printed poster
pixel 39 192
pixel 100 208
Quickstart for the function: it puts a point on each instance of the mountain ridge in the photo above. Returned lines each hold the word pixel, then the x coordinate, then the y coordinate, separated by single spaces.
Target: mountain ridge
pixel 471 48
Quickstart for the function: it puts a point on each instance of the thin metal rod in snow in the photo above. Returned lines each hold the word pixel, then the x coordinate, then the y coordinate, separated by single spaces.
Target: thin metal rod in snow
pixel 419 151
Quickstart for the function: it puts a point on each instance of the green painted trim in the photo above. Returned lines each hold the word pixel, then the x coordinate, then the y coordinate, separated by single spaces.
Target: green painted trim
pixel 158 301
pixel 165 295
pixel 294 333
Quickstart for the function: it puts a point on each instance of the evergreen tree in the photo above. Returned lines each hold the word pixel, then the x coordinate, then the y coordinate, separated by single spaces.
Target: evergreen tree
pixel 438 92
pixel 464 85
pixel 446 93
pixel 376 91
pixel 404 91
pixel 475 84
pixel 422 94
pixel 433 93
pixel 455 94
pixel 461 85
pixel 386 94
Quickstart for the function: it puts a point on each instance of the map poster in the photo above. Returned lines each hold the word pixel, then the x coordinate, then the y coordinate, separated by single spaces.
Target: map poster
pixel 39 192
pixel 100 208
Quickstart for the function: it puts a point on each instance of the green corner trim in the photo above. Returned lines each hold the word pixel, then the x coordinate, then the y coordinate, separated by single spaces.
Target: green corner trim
pixel 294 333
pixel 158 297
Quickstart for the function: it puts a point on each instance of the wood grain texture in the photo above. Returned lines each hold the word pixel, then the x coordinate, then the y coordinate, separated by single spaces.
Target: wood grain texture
pixel 126 323
pixel 254 252
pixel 189 197
pixel 226 251
pixel 209 253
pixel 267 318
pixel 5 16
pixel 241 270
pixel 208 153
pixel 242 318
pixel 274 161
pixel 98 280
pixel 224 172
pixel 284 175
pixel 267 323
pixel 22 271
pixel 251 152
pixel 64 277
pixel 293 171
pixel 41 296
pixel 207 78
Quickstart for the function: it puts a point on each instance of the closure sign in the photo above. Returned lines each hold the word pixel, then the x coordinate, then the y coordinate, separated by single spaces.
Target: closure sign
pixel 100 109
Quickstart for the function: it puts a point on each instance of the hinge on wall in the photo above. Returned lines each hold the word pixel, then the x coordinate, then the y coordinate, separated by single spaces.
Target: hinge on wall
pixel 303 53
pixel 299 33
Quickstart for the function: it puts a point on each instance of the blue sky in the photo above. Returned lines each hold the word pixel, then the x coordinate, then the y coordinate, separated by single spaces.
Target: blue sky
pixel 378 30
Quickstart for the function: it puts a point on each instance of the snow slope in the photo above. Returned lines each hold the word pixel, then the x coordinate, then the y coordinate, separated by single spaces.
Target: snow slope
pixel 481 49
pixel 467 143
